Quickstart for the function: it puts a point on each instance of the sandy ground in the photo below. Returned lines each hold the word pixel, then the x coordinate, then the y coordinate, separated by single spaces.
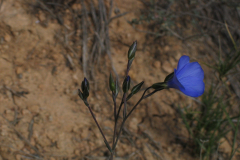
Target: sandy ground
pixel 41 113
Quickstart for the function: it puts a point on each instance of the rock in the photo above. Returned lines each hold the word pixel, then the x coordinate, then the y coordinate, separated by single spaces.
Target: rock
pixel 166 48
pixel 52 135
pixel 19 70
pixel 169 149
pixel 84 133
pixel 225 146
pixel 157 64
pixel 67 91
pixel 133 125
pixel 33 108
pixel 6 46
pixel 178 56
pixel 167 67
pixel 41 16
pixel 77 152
pixel 173 62
pixel 7 38
pixel 41 86
pixel 4 130
pixel 55 57
pixel 43 141
pixel 75 78
pixel 19 144
pixel 75 129
pixel 9 114
pixel 96 107
pixel 132 74
pixel 32 141
pixel 25 112
pixel 50 118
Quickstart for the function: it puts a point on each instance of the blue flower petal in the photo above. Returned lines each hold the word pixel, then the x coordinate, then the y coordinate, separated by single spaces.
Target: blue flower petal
pixel 174 82
pixel 188 78
pixel 182 62
pixel 191 70
pixel 193 86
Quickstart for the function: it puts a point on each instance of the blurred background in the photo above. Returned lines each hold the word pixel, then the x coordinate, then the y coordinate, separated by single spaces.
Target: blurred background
pixel 47 47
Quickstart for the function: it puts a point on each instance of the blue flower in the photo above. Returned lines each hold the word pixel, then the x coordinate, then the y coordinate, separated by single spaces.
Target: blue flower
pixel 188 78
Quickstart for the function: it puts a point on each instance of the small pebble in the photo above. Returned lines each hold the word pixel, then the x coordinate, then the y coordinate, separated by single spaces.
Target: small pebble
pixel 157 64
pixel 167 67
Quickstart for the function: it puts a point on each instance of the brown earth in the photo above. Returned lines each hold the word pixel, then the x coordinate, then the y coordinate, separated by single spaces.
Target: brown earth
pixel 38 92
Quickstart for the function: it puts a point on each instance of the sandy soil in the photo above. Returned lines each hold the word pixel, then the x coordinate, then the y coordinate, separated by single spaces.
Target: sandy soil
pixel 38 92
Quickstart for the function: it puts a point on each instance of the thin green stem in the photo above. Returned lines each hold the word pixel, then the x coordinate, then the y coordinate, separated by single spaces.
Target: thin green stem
pixel 125 106
pixel 116 114
pixel 105 140
pixel 143 97
pixel 234 139
pixel 124 120
pixel 115 124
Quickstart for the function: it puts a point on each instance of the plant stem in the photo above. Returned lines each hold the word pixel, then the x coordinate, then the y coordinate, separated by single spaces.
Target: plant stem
pixel 143 97
pixel 115 106
pixel 115 124
pixel 124 120
pixel 116 115
pixel 105 140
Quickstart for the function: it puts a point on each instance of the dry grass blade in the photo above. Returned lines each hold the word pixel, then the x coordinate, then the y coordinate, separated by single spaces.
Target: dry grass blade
pixel 89 28
pixel 1 2
pixel 84 39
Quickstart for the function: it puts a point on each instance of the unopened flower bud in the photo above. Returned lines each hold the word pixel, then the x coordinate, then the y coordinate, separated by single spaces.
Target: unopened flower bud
pixel 85 88
pixel 132 50
pixel 126 84
pixel 80 94
pixel 136 88
pixel 111 83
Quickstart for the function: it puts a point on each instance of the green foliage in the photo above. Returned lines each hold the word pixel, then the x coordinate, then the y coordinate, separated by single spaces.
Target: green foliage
pixel 231 60
pixel 209 123
pixel 160 18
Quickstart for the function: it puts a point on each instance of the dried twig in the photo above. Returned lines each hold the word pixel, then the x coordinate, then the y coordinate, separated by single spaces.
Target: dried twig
pixel 21 137
pixel 117 16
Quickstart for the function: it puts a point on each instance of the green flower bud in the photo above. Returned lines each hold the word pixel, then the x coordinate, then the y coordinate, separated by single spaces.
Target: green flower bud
pixel 136 88
pixel 111 83
pixel 80 94
pixel 85 84
pixel 85 88
pixel 132 50
pixel 126 84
